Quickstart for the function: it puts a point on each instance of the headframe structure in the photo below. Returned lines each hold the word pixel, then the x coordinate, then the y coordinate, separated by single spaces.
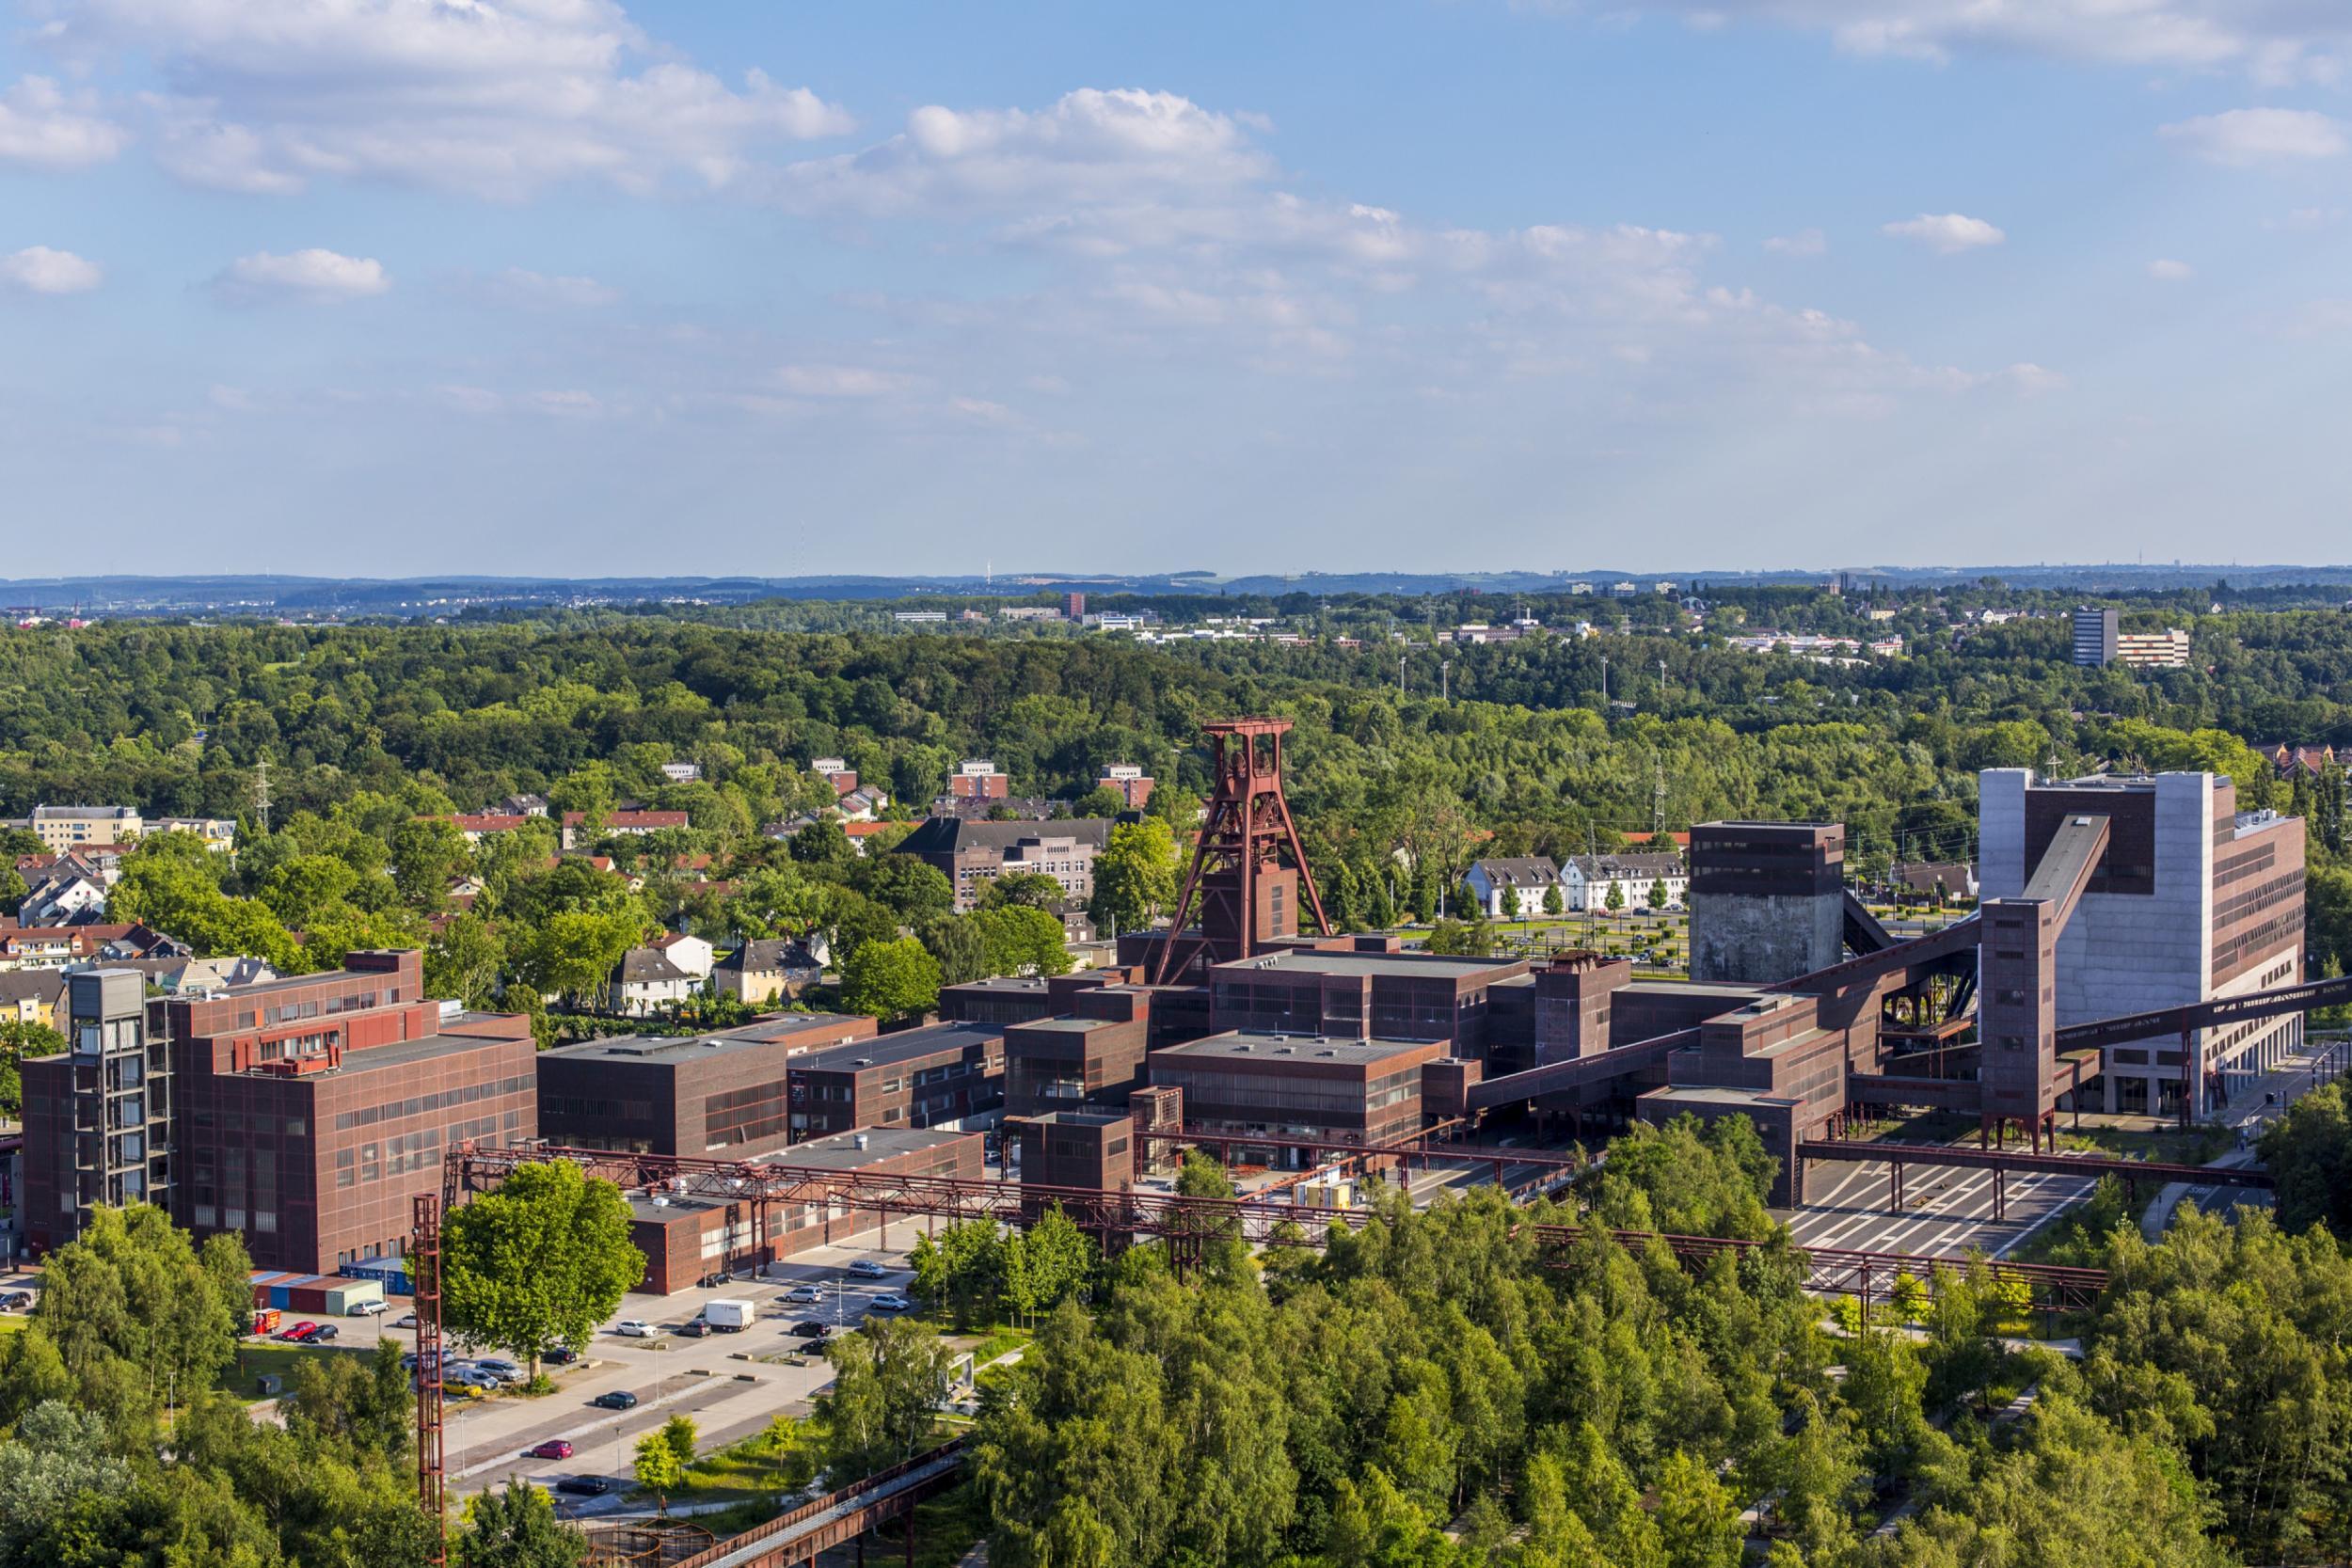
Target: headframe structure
pixel 1238 890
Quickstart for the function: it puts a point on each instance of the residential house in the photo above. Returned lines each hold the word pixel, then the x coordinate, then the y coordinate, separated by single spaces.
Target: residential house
pixel 524 805
pixel 646 982
pixel 1513 887
pixel 479 825
pixel 835 772
pixel 63 899
pixel 682 772
pixel 33 996
pixel 691 954
pixel 863 803
pixel 1950 878
pixel 633 820
pixel 1585 881
pixel 768 970
pixel 218 834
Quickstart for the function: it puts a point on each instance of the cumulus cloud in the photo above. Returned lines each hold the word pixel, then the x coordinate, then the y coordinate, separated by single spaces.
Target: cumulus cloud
pixel 498 100
pixel 1805 242
pixel 2272 40
pixel 40 270
pixel 1947 234
pixel 315 277
pixel 42 126
pixel 2242 136
pixel 2164 270
pixel 1092 146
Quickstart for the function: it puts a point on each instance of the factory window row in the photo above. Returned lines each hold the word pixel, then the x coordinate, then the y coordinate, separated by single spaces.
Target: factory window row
pixel 419 1104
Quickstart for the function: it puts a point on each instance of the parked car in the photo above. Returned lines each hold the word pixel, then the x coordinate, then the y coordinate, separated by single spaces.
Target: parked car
pixel 891 1301
pixel 866 1268
pixel 813 1347
pixel 324 1333
pixel 811 1327
pixel 554 1448
pixel 585 1486
pixel 301 1334
pixel 16 1301
pixel 407 1320
pixel 498 1368
pixel 619 1399
pixel 635 1328
pixel 803 1294
pixel 694 1328
pixel 365 1310
pixel 558 1356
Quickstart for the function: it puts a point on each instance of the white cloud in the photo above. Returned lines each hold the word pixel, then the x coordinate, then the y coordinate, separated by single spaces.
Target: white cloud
pixel 2164 270
pixel 470 400
pixel 2243 137
pixel 840 381
pixel 500 99
pixel 43 127
pixel 1804 243
pixel 1092 147
pixel 1947 234
pixel 233 400
pixel 40 270
pixel 2271 40
pixel 313 276
pixel 568 405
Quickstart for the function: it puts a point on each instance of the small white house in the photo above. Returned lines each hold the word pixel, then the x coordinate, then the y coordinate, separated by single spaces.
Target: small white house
pixel 1585 881
pixel 646 982
pixel 689 953
pixel 1513 887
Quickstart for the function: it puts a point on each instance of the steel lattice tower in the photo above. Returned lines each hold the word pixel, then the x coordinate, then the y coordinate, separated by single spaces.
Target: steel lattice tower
pixel 1238 887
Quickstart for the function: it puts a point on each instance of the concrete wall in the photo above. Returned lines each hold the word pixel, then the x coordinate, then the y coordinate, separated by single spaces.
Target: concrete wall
pixel 1760 939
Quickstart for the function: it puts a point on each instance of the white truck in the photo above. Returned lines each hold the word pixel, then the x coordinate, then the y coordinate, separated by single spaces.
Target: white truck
pixel 730 1317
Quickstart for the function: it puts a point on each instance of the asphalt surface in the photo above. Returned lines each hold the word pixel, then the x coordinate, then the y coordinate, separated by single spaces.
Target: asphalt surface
pixel 1947 1211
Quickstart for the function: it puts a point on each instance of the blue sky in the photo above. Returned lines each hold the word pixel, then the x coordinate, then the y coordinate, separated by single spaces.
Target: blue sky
pixel 384 287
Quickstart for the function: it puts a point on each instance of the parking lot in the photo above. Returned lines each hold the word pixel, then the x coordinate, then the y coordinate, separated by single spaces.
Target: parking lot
pixel 732 1384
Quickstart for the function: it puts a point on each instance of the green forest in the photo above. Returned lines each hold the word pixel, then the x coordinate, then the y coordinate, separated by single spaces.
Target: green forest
pixel 366 730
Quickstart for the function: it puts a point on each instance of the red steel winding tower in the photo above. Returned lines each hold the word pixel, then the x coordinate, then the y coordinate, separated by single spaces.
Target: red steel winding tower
pixel 1242 894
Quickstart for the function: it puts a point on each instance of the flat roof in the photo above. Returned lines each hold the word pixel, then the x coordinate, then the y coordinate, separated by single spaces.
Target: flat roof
pixel 1301 1047
pixel 1066 1021
pixel 375 1058
pixel 891 1050
pixel 1707 1094
pixel 840 1152
pixel 1301 961
pixel 1073 1118
pixel 1693 987
pixel 672 1050
pixel 1002 982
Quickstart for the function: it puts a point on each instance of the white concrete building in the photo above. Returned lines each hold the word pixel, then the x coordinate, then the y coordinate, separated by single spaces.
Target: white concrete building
pixel 1513 887
pixel 2193 901
pixel 1585 880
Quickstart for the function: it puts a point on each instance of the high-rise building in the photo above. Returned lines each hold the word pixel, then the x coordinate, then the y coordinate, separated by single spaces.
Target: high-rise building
pixel 98 1118
pixel 2192 900
pixel 2094 636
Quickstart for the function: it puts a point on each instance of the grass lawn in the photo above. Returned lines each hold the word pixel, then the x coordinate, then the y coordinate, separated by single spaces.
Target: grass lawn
pixel 2193 1147
pixel 243 1376
pixel 997 1341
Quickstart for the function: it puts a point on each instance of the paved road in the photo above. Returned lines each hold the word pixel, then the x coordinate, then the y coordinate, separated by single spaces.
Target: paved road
pixel 1946 1210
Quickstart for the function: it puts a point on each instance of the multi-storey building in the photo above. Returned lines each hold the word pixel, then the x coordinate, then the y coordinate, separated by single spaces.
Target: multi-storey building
pixel 2094 636
pixel 972 854
pixel 2191 901
pixel 303 1112
pixel 949 1075
pixel 62 828
pixel 2098 642
pixel 1767 900
pixel 1364 988
pixel 978 780
pixel 1358 1091
pixel 703 1094
pixel 1129 782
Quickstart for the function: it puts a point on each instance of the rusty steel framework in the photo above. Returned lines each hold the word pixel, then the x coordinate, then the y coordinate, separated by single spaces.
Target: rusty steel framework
pixel 424 1271
pixel 1186 1222
pixel 823 1522
pixel 1248 827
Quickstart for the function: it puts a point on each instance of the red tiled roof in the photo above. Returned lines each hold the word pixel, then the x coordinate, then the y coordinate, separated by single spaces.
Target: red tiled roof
pixel 624 820
pixel 488 822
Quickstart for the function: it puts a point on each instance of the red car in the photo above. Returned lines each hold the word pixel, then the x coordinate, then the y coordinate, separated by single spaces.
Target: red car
pixel 554 1448
pixel 302 1332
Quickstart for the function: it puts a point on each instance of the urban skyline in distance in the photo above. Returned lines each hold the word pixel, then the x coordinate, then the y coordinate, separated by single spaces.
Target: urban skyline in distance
pixel 600 288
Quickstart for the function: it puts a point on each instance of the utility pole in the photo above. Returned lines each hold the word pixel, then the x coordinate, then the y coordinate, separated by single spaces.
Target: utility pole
pixel 1445 680
pixel 1661 683
pixel 260 790
pixel 1400 673
pixel 1657 795
pixel 1604 686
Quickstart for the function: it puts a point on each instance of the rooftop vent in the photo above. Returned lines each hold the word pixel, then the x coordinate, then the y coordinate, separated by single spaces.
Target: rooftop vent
pixel 1327 1053
pixel 857 1140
